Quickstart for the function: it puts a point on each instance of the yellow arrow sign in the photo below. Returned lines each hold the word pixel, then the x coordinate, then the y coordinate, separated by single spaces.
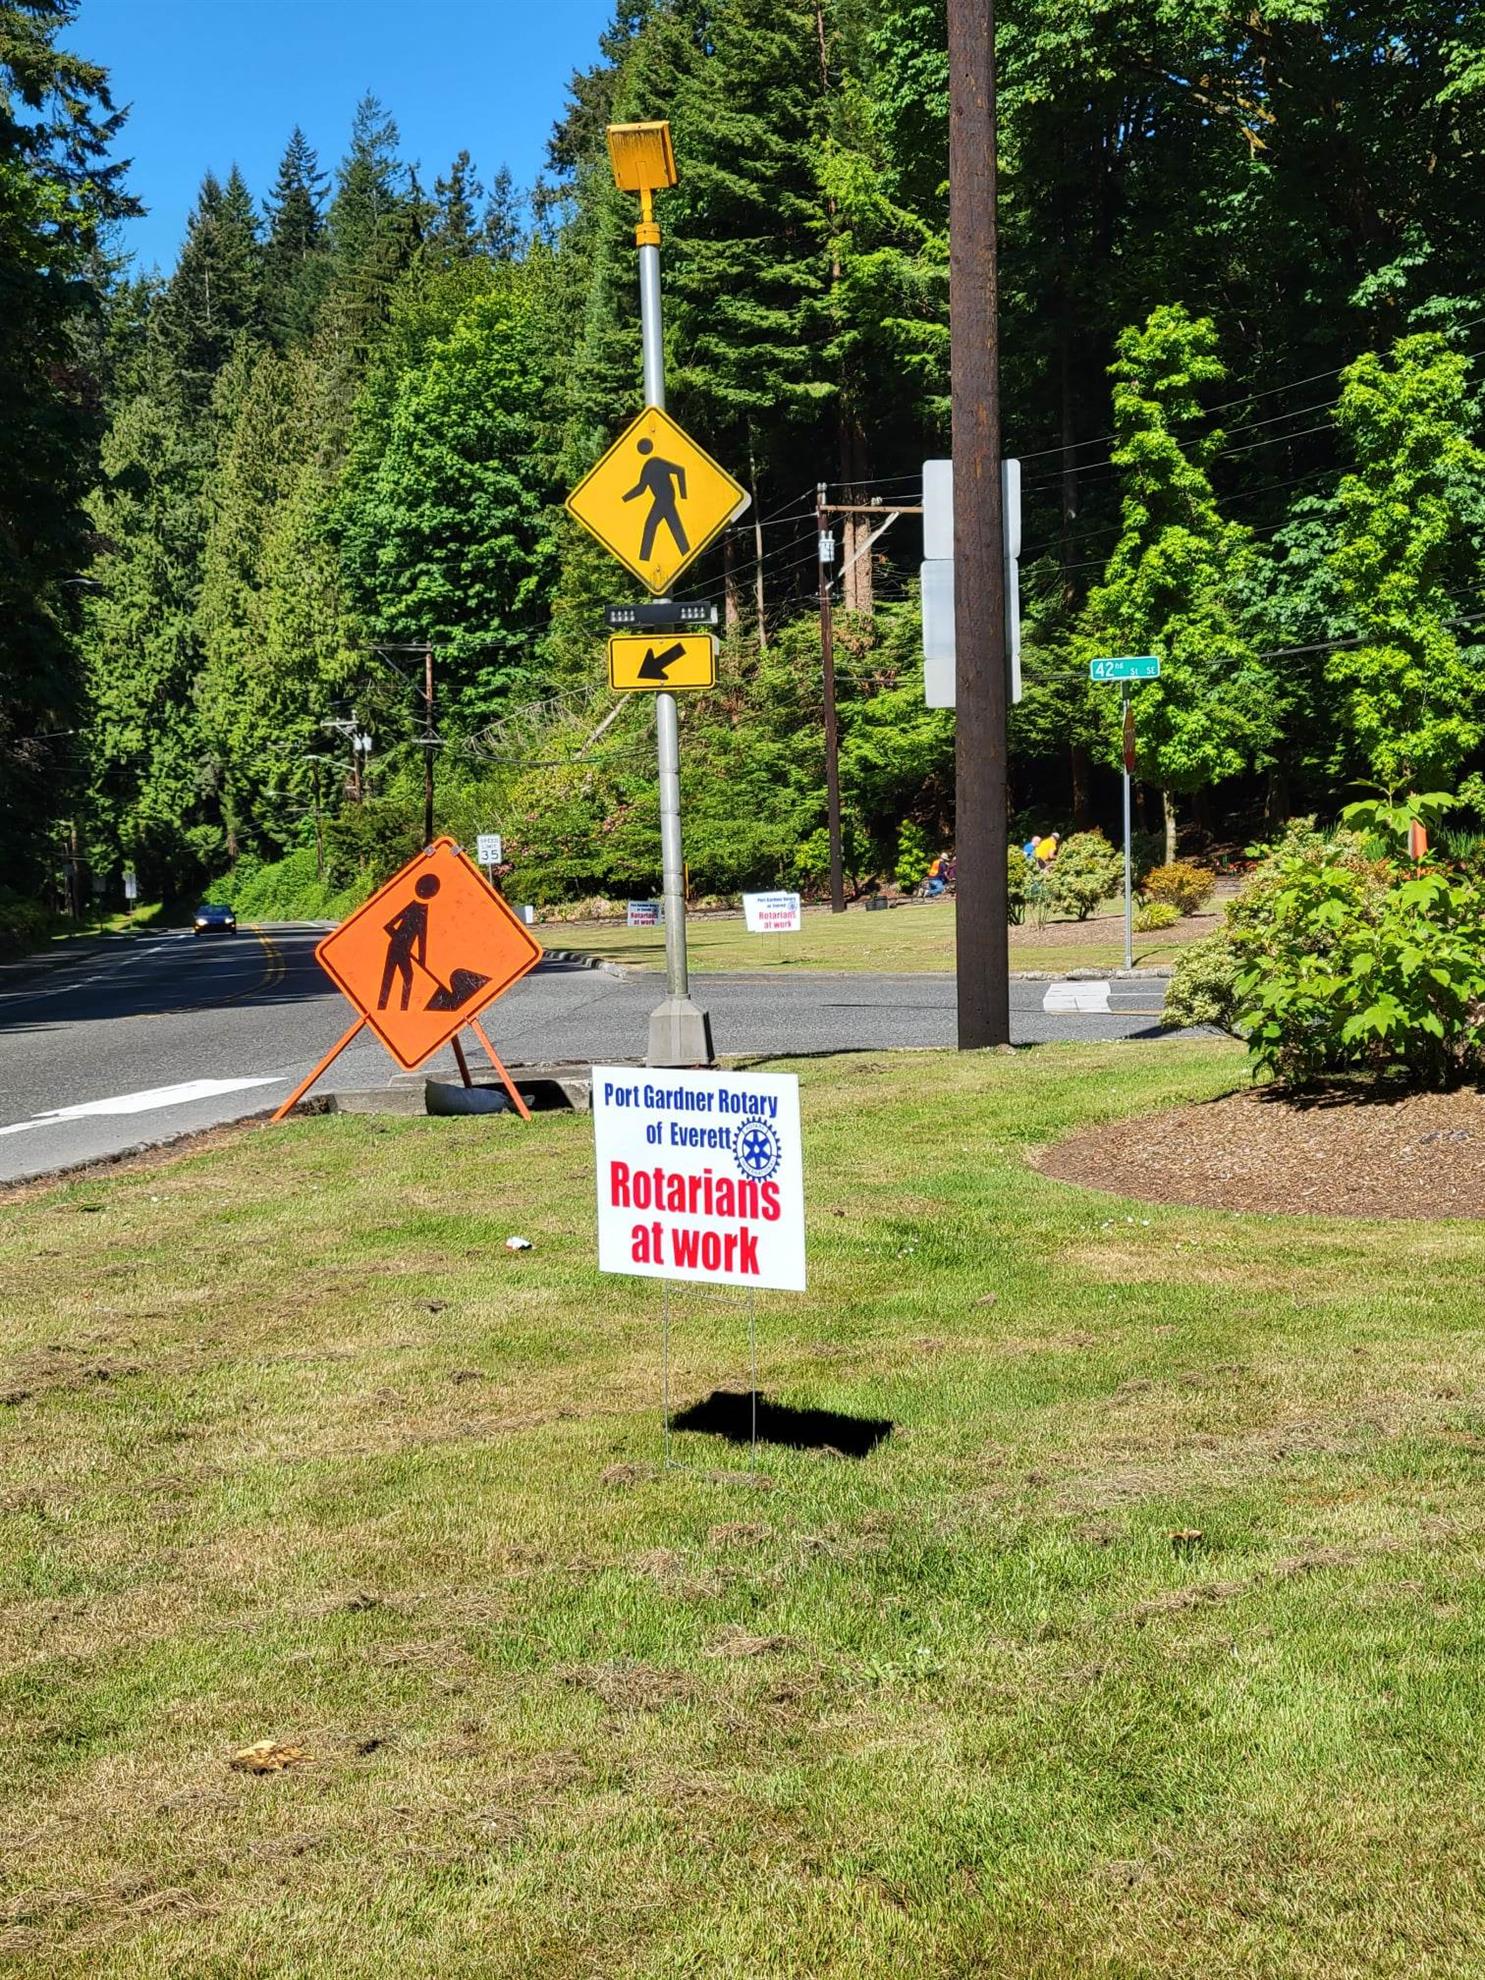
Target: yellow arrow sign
pixel 655 666
pixel 656 500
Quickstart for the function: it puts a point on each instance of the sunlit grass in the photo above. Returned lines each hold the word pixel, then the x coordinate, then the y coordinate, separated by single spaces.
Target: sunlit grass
pixel 296 1449
pixel 919 935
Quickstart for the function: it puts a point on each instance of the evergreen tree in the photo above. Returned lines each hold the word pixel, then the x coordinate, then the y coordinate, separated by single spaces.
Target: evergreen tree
pixel 455 234
pixel 151 799
pixel 58 194
pixel 749 269
pixel 294 266
pixel 502 228
pixel 239 714
pixel 215 295
pixel 372 226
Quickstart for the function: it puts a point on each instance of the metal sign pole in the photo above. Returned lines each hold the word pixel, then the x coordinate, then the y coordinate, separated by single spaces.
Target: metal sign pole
pixel 1126 738
pixel 680 1032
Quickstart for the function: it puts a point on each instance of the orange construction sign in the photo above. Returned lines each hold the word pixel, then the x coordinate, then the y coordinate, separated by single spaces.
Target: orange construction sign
pixel 428 952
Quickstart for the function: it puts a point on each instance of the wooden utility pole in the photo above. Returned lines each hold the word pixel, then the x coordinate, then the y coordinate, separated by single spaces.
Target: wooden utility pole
pixel 983 957
pixel 832 729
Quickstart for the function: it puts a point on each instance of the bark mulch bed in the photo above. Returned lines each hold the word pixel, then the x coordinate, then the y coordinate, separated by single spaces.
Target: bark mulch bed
pixel 1334 1154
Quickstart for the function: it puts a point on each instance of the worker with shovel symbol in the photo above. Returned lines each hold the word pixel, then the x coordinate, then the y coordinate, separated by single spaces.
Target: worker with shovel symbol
pixel 665 484
pixel 407 943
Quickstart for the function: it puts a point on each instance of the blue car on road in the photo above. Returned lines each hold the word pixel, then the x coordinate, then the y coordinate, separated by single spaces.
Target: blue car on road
pixel 214 919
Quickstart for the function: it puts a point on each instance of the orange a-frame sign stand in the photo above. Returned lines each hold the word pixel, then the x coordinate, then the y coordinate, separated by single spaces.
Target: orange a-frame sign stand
pixel 426 955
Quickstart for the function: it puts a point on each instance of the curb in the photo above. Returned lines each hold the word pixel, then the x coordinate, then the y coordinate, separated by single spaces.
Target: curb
pixel 579 959
pixel 1155 973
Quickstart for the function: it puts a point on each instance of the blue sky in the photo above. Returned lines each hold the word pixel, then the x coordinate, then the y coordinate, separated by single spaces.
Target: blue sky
pixel 213 81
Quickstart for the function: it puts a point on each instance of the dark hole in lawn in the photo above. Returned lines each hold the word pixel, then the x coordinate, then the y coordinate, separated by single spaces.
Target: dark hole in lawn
pixel 729 1413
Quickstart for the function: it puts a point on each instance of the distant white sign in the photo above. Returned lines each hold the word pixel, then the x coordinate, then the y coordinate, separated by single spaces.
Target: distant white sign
pixel 700 1176
pixel 643 914
pixel 131 884
pixel 488 849
pixel 772 914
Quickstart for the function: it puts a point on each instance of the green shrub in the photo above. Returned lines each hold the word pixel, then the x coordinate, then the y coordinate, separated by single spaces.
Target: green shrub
pixel 1150 915
pixel 288 890
pixel 913 855
pixel 1203 984
pixel 25 924
pixel 1348 963
pixel 1181 883
pixel 1085 872
pixel 1018 878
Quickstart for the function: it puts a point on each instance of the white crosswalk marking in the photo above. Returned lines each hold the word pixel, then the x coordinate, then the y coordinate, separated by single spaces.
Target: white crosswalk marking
pixel 1076 997
pixel 144 1102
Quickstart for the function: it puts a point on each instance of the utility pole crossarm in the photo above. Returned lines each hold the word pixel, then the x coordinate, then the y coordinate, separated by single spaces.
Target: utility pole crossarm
pixel 873 509
pixel 881 531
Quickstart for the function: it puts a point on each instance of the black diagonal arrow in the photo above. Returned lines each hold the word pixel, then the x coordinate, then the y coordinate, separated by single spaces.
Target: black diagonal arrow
pixel 653 666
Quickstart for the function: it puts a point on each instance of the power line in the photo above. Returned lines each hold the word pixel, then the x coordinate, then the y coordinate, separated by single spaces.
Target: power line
pixel 1245 426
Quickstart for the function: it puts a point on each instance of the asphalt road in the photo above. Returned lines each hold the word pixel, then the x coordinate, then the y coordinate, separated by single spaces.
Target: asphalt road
pixel 122 1042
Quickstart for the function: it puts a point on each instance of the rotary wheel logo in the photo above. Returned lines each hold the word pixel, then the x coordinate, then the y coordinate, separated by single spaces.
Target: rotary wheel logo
pixel 756 1149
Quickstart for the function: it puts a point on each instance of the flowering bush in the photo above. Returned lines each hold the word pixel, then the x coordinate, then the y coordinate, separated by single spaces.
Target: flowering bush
pixel 1181 884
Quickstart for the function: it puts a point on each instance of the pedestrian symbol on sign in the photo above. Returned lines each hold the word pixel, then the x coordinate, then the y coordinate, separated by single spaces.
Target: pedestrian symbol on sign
pixel 656 499
pixel 663 481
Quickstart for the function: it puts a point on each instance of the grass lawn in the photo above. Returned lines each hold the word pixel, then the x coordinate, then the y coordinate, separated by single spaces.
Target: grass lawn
pixel 296 1450
pixel 919 935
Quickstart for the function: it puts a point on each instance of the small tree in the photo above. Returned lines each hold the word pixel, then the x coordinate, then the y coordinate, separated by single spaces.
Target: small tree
pixel 1412 527
pixel 1178 572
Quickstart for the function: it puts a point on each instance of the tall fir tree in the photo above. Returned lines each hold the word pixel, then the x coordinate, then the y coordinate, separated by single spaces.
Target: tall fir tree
pixel 454 233
pixel 294 259
pixel 503 224
pixel 372 226
pixel 215 295
pixel 749 271
pixel 58 194
pixel 151 800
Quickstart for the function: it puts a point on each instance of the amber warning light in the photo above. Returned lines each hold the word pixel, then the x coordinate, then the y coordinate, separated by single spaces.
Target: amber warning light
pixel 642 157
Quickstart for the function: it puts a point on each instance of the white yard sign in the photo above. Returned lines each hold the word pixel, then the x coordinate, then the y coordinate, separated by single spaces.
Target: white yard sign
pixel 772 914
pixel 700 1176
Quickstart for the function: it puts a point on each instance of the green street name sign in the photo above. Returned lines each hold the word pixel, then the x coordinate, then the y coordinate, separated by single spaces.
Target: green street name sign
pixel 1134 667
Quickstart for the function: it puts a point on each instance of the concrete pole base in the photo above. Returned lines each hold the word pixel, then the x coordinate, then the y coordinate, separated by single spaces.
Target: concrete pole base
pixel 680 1034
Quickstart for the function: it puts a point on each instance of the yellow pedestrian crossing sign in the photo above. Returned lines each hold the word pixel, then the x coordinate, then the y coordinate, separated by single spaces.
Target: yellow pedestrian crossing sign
pixel 637 665
pixel 656 500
